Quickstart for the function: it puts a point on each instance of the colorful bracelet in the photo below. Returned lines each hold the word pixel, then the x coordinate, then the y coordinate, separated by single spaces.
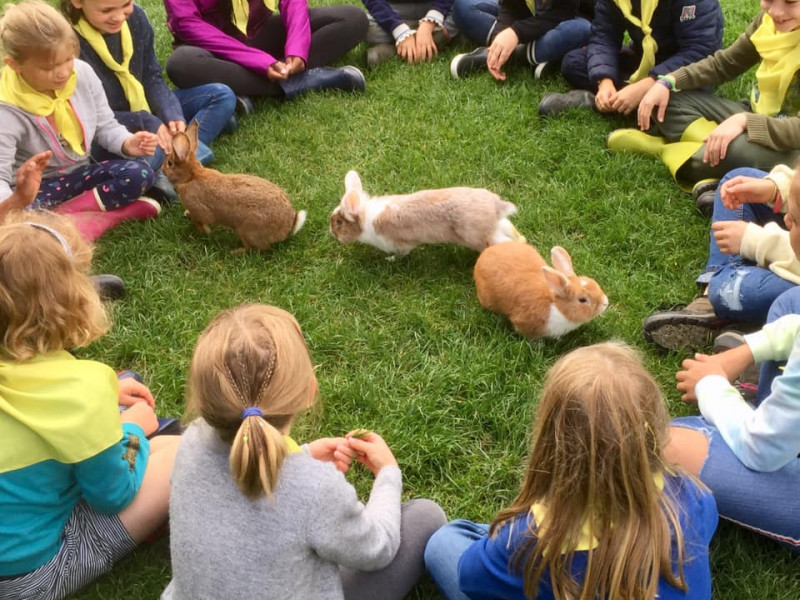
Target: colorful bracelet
pixel 668 81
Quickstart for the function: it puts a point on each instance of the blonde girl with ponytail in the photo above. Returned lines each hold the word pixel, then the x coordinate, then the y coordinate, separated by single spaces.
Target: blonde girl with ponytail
pixel 256 515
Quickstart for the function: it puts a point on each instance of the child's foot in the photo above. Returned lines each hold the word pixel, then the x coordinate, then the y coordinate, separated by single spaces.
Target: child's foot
pixel 689 328
pixel 380 53
pixel 635 141
pixel 463 65
pixel 545 69
pixel 555 103
pixel 162 189
pixel 109 287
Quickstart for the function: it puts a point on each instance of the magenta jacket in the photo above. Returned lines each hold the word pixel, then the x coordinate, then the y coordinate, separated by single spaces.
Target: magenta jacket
pixel 202 23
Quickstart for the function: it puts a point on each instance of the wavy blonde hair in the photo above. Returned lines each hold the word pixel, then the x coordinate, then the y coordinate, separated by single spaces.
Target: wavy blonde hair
pixel 252 356
pixel 34 28
pixel 600 428
pixel 47 301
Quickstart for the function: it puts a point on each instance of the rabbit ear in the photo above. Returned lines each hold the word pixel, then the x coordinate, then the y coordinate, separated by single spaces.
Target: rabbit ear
pixel 191 133
pixel 561 261
pixel 557 281
pixel 352 182
pixel 351 204
pixel 181 147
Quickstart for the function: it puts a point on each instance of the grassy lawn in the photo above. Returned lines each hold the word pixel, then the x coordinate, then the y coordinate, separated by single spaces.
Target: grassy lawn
pixel 403 347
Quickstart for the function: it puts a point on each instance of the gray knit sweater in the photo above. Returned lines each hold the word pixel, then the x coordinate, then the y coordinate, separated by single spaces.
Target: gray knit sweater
pixel 225 547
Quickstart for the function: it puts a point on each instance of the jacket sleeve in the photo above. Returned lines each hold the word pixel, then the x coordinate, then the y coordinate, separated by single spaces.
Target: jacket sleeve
pixel 530 27
pixel 8 150
pixel 605 42
pixel 294 15
pixel 697 38
pixel 385 16
pixel 110 134
pixel 777 133
pixel 187 25
pixel 354 535
pixel 163 103
pixel 110 480
pixel 139 120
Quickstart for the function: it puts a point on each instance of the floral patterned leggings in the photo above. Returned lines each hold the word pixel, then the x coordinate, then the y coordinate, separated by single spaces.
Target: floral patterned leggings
pixel 118 183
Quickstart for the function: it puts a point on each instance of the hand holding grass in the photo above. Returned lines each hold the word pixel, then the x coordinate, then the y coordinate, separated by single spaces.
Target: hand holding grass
pixel 426 48
pixel 372 451
pixel 335 450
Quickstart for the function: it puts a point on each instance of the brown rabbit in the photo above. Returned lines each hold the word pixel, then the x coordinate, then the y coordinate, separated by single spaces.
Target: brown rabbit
pixel 256 209
pixel 513 279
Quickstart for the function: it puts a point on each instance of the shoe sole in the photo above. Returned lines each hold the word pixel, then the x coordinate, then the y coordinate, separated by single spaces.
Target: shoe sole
pixel 356 72
pixel 154 203
pixel 454 65
pixel 683 332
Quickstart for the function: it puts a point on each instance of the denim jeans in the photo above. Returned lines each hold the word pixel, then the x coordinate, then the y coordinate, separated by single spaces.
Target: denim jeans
pixel 739 289
pixel 445 548
pixel 475 19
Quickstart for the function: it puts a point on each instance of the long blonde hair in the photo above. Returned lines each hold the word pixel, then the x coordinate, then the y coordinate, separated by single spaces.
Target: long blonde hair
pixel 596 458
pixel 33 27
pixel 47 301
pixel 253 356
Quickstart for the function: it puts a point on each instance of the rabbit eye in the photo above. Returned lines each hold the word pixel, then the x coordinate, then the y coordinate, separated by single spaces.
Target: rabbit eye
pixel 169 162
pixel 583 300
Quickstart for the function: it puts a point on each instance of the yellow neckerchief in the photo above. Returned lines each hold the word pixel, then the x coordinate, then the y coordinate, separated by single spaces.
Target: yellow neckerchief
pixel 56 407
pixel 586 541
pixel 291 445
pixel 649 45
pixel 240 12
pixel 15 90
pixel 531 4
pixel 131 86
pixel 780 60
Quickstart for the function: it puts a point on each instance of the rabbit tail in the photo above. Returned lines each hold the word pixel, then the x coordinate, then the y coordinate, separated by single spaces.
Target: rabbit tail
pixel 506 232
pixel 299 221
pixel 505 209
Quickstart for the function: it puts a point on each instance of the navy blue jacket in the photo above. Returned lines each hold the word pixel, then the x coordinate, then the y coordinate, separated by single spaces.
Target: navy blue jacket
pixel 530 27
pixel 685 31
pixel 144 66
pixel 387 18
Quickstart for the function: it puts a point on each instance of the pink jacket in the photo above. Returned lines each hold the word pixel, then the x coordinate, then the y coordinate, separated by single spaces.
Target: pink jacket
pixel 203 24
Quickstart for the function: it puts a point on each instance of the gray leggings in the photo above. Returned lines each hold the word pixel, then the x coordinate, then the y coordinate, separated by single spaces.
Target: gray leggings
pixel 419 520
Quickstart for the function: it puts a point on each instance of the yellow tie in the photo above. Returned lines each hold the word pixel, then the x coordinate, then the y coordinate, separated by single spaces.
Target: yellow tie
pixel 241 12
pixel 131 86
pixel 649 45
pixel 15 90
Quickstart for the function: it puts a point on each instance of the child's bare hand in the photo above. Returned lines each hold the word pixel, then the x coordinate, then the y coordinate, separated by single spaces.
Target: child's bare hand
pixel 657 97
pixel 694 370
pixel 278 71
pixel 372 451
pixel 605 94
pixel 628 98
pixel 426 48
pixel 746 190
pixel 729 235
pixel 500 51
pixel 131 392
pixel 164 138
pixel 143 415
pixel 407 49
pixel 29 179
pixel 295 64
pixel 720 138
pixel 335 450
pixel 141 143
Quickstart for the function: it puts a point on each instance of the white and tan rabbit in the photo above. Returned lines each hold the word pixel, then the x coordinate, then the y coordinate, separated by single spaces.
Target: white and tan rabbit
pixel 470 217
pixel 258 211
pixel 513 279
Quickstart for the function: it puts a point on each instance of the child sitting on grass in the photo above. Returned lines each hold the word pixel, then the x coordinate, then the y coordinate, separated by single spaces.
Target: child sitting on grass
pixel 80 484
pixel 253 513
pixel 600 513
pixel 699 136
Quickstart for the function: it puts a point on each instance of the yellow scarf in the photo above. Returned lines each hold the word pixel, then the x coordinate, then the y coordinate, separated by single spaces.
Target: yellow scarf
pixel 131 86
pixel 649 45
pixel 291 445
pixel 56 407
pixel 531 4
pixel 15 90
pixel 780 60
pixel 241 12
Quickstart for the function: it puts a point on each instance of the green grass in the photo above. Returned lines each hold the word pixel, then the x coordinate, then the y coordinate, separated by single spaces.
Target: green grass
pixel 403 347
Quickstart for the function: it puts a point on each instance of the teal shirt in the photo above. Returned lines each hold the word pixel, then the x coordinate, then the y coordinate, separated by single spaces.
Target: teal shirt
pixel 36 502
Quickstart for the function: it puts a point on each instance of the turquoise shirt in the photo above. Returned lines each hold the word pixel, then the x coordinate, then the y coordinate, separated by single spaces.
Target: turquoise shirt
pixel 36 501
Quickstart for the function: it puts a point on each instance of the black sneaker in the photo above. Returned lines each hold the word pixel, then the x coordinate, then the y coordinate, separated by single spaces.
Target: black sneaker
pixel 689 328
pixel 109 287
pixel 244 105
pixel 705 203
pixel 466 64
pixel 554 104
pixel 546 69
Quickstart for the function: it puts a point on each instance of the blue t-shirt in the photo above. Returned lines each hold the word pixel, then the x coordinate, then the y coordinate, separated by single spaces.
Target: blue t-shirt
pixel 484 574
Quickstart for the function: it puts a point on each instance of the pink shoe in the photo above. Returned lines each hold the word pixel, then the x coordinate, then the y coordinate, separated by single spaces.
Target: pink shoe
pixel 84 202
pixel 92 225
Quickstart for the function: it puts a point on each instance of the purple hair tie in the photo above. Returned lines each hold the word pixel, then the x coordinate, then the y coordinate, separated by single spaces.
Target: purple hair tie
pixel 253 411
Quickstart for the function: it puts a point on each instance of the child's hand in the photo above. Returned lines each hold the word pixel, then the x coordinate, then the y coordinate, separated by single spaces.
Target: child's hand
pixel 694 370
pixel 333 450
pixel 500 51
pixel 29 179
pixel 746 190
pixel 143 415
pixel 372 451
pixel 407 49
pixel 656 97
pixel 718 140
pixel 278 71
pixel 141 143
pixel 131 392
pixel 426 48
pixel 295 64
pixel 605 93
pixel 628 98
pixel 729 235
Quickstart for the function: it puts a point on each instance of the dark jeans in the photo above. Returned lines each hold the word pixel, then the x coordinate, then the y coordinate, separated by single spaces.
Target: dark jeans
pixel 335 30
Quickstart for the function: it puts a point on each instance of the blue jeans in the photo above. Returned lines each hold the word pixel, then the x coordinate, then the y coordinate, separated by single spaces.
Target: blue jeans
pixel 476 20
pixel 445 548
pixel 739 289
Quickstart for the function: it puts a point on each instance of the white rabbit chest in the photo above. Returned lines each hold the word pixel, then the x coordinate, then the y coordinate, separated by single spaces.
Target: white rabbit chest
pixel 369 235
pixel 558 324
